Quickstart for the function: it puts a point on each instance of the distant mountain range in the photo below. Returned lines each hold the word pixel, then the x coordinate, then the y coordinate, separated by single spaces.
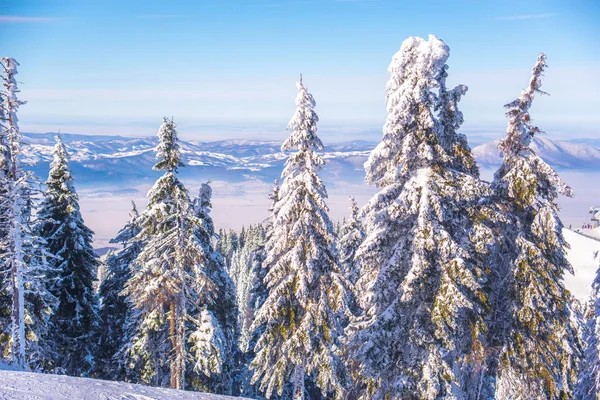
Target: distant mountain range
pixel 114 161
pixel 561 155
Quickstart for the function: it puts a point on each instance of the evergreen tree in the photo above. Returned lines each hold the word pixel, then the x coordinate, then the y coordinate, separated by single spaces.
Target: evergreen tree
pixel 258 294
pixel 23 263
pixel 420 285
pixel 115 309
pixel 350 239
pixel 588 386
pixel 179 287
pixel 534 342
pixel 74 265
pixel 243 274
pixel 301 317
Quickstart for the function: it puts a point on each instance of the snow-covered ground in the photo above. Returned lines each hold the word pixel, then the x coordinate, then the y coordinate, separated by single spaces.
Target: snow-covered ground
pixel 582 256
pixel 33 386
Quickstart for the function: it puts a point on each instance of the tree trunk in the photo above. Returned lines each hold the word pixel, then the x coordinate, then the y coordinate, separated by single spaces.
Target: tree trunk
pixel 175 381
pixel 18 306
pixel 299 381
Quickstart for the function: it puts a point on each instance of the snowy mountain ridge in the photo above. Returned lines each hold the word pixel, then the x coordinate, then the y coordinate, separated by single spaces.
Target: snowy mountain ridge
pixel 112 159
pixel 566 155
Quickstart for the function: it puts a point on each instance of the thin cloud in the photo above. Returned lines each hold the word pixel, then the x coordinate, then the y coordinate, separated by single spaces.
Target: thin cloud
pixel 161 16
pixel 16 18
pixel 525 16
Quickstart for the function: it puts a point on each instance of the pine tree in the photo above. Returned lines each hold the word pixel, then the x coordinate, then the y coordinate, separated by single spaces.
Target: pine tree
pixel 179 287
pixel 115 309
pixel 534 342
pixel 23 263
pixel 301 317
pixel 588 385
pixel 351 237
pixel 420 285
pixel 74 265
pixel 258 294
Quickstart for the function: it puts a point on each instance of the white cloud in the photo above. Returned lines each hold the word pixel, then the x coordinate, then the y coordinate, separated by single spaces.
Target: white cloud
pixel 15 18
pixel 525 16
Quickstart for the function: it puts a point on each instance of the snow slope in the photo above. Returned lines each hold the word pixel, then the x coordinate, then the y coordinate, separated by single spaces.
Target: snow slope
pixel 582 256
pixel 33 386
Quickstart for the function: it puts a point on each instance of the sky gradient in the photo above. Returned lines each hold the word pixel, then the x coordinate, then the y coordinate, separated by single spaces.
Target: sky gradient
pixel 227 68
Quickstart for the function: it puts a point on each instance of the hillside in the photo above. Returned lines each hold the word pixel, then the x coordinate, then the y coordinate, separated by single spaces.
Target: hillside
pixel 32 386
pixel 583 257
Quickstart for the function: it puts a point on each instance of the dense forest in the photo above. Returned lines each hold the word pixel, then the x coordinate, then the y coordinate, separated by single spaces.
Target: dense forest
pixel 441 286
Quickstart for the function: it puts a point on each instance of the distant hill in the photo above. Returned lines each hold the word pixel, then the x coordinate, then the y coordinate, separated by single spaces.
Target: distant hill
pixel 562 155
pixel 115 161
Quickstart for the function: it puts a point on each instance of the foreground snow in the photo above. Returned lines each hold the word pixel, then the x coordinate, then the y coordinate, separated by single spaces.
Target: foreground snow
pixel 33 386
pixel 582 256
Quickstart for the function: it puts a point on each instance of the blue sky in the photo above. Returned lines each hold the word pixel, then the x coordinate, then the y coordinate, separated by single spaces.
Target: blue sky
pixel 227 68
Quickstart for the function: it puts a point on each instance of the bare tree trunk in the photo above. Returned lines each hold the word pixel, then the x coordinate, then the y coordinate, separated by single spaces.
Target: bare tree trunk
pixel 175 381
pixel 16 265
pixel 180 349
pixel 299 381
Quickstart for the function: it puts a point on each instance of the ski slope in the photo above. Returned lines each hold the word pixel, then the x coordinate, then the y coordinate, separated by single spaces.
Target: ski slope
pixel 32 386
pixel 582 256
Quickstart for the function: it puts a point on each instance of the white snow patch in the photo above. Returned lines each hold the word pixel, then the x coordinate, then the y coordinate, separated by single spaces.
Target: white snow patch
pixel 34 386
pixel 582 256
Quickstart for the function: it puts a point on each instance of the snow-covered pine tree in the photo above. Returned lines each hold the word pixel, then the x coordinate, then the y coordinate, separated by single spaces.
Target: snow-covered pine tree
pixel 73 272
pixel 301 319
pixel 179 287
pixel 258 294
pixel 5 297
pixel 243 274
pixel 420 285
pixel 588 385
pixel 115 309
pixel 536 346
pixel 23 263
pixel 350 238
pixel 219 302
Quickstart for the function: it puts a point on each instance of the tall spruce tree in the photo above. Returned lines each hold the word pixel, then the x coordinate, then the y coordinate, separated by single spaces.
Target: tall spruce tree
pixel 534 345
pixel 115 309
pixel 420 285
pixel 301 317
pixel 74 266
pixel 22 263
pixel 179 287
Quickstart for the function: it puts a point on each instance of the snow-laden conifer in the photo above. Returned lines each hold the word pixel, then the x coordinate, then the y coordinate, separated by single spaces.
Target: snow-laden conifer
pixel 179 287
pixel 588 386
pixel 420 287
pixel 74 267
pixel 116 311
pixel 23 264
pixel 350 239
pixel 531 333
pixel 301 317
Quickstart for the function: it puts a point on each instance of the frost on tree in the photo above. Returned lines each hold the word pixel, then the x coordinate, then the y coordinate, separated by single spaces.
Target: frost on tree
pixel 73 270
pixel 23 267
pixel 350 238
pixel 301 318
pixel 185 306
pixel 588 385
pixel 116 311
pixel 535 345
pixel 420 287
